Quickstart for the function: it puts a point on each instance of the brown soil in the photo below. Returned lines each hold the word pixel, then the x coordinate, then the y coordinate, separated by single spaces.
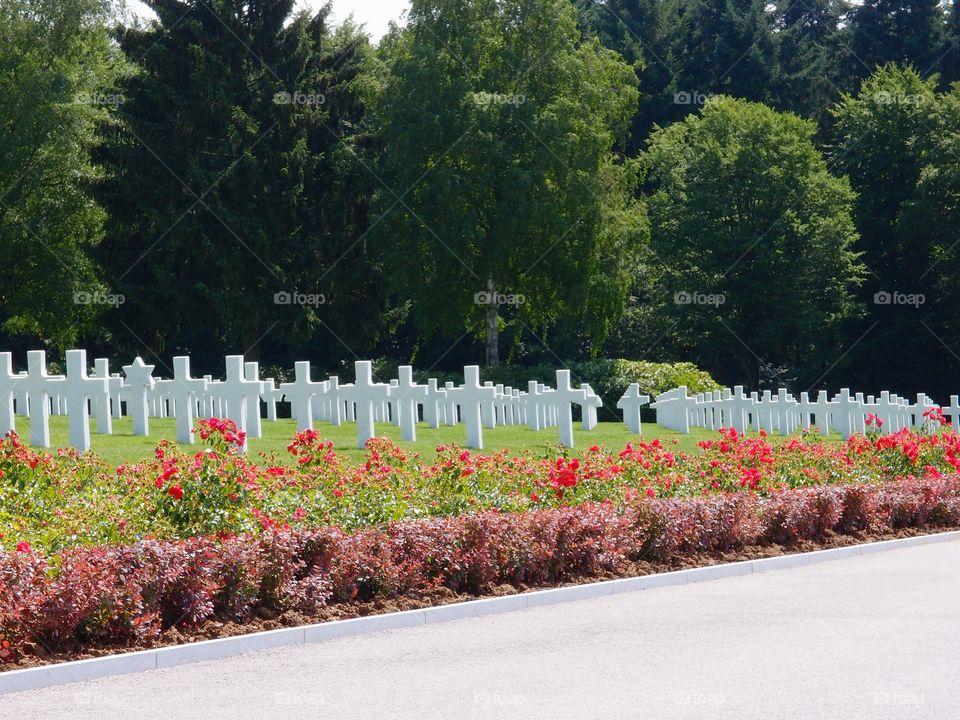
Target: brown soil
pixel 269 620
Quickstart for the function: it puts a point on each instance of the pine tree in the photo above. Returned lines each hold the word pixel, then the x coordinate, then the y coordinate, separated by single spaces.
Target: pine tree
pixel 906 32
pixel 811 45
pixel 237 182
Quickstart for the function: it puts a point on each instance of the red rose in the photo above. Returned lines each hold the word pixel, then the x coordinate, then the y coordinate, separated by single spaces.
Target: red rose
pixel 176 492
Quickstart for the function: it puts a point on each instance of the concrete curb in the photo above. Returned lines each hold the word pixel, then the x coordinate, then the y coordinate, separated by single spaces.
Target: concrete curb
pixel 80 670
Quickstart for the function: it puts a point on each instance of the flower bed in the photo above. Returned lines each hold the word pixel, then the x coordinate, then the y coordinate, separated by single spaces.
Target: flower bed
pixel 97 556
pixel 52 502
pixel 130 594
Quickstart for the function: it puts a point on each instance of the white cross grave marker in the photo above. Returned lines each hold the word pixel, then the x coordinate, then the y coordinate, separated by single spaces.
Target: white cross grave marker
pixel 140 381
pixel 271 396
pixel 408 396
pixel 9 383
pixel 79 388
pixel 563 398
pixel 953 411
pixel 630 402
pixel 531 404
pixel 589 408
pixel 242 395
pixel 254 420
pixel 740 409
pixel 470 396
pixel 432 406
pixel 185 390
pixel 101 403
pixel 300 394
pixel 364 393
pixel 39 386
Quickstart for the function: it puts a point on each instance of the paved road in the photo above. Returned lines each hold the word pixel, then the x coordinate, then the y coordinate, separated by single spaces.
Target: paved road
pixel 870 637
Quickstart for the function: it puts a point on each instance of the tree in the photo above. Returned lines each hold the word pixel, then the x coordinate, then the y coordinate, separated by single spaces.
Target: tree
pixel 906 32
pixel 951 58
pixel 237 187
pixel 812 46
pixel 57 67
pixel 641 32
pixel 502 195
pixel 754 239
pixel 898 142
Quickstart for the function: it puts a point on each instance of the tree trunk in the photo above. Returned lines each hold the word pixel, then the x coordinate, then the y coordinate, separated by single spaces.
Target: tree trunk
pixel 493 325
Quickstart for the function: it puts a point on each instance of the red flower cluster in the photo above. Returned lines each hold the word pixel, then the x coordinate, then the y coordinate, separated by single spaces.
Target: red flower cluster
pixel 564 474
pixel 872 420
pixel 310 450
pixel 221 431
pixel 935 416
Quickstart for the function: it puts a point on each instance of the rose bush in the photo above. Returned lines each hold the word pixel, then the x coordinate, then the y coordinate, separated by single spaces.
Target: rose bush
pixel 53 502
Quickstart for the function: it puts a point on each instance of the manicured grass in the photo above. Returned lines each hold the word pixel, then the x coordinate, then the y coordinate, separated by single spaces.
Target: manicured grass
pixel 124 447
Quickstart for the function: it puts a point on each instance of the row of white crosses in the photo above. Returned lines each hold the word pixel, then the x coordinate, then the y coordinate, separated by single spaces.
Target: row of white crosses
pixel 475 405
pixel 76 393
pixel 784 413
pixel 36 393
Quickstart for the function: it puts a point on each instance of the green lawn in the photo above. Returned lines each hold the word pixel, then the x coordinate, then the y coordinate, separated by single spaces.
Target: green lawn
pixel 124 447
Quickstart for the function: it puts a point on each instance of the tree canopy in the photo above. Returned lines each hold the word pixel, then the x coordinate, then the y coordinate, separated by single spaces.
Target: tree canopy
pixel 236 177
pixel 503 193
pixel 57 70
pixel 754 238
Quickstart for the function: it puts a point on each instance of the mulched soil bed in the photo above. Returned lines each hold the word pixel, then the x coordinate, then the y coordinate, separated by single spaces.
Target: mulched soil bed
pixel 268 620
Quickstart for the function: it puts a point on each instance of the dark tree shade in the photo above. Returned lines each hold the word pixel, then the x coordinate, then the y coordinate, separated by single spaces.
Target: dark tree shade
pixel 237 173
pixel 907 32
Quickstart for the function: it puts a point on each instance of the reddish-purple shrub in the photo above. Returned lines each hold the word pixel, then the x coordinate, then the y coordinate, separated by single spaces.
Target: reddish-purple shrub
pixel 917 502
pixel 859 507
pixel 718 522
pixel 124 593
pixel 806 514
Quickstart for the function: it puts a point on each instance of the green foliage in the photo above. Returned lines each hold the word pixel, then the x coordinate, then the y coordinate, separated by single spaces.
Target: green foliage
pixel 900 145
pixel 688 50
pixel 236 173
pixel 908 32
pixel 753 236
pixel 812 53
pixel 498 125
pixel 57 69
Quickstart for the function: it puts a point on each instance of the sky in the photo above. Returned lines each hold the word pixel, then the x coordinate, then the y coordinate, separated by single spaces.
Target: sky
pixel 374 14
